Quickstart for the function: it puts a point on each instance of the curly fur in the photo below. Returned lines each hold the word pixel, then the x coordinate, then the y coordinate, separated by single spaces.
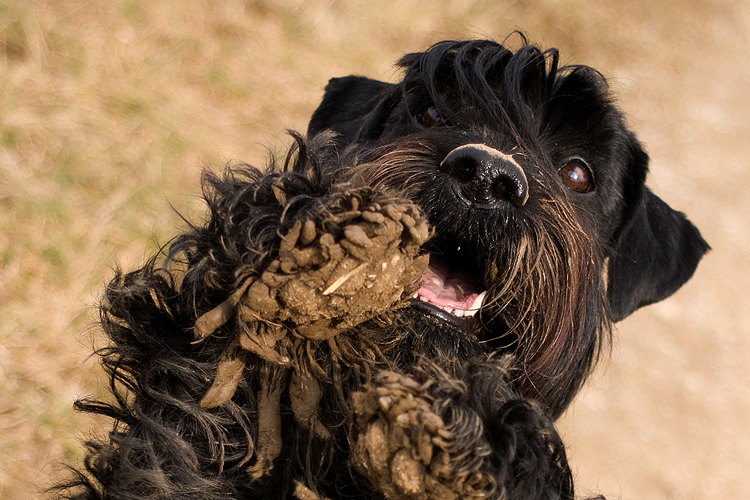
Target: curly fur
pixel 166 445
pixel 514 449
pixel 307 417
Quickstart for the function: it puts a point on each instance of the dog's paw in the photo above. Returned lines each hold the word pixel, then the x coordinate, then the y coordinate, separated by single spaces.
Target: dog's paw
pixel 409 451
pixel 360 258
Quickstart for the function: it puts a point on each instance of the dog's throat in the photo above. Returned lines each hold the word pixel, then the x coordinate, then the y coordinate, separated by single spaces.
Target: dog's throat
pixel 454 292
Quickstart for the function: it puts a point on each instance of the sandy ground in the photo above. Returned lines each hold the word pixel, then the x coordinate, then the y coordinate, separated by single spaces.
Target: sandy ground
pixel 109 110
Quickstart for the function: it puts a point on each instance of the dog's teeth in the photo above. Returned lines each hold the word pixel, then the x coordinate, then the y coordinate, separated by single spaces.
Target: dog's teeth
pixel 479 301
pixel 423 298
pixel 477 304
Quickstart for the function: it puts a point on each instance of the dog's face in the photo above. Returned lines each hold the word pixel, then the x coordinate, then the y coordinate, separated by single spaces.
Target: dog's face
pixel 544 232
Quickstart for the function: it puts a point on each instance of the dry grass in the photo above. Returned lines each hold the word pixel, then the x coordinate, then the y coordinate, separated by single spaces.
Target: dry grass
pixel 109 110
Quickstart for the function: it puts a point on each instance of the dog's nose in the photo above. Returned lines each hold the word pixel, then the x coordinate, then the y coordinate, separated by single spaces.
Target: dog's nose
pixel 486 176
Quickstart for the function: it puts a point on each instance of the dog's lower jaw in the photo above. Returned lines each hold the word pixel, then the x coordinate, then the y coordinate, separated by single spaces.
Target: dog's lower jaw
pixel 449 316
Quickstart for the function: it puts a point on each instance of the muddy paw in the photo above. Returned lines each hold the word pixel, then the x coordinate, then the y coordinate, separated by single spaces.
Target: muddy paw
pixel 360 258
pixel 403 445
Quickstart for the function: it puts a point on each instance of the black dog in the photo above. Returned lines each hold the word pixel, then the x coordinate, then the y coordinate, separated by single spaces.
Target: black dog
pixel 535 189
pixel 278 350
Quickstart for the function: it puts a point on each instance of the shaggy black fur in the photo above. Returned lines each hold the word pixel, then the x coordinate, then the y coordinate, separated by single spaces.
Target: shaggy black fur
pixel 534 189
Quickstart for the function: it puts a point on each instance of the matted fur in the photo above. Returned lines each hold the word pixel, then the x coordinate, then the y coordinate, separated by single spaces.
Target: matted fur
pixel 165 444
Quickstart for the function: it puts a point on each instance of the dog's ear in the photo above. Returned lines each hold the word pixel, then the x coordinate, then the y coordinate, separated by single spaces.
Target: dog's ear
pixel 656 251
pixel 349 107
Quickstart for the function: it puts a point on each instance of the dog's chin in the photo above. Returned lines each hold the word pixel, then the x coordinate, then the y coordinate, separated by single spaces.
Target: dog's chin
pixel 449 314
pixel 438 335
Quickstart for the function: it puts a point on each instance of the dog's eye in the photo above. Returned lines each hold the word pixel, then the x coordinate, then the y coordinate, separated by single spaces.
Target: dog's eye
pixel 577 176
pixel 430 117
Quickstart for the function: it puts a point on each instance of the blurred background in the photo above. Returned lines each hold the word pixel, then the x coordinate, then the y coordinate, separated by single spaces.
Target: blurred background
pixel 109 109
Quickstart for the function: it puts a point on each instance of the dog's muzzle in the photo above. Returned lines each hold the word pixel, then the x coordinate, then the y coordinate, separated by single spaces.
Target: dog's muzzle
pixel 485 177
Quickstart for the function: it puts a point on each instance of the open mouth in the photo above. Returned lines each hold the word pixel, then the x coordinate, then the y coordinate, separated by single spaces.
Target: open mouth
pixel 451 294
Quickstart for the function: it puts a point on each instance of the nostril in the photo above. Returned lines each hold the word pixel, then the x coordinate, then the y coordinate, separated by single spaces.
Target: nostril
pixel 485 176
pixel 505 188
pixel 463 168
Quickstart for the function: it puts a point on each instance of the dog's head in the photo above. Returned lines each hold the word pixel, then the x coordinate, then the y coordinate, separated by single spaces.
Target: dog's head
pixel 535 190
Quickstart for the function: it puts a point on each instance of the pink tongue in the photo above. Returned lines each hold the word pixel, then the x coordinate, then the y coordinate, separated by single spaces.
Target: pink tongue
pixel 446 289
